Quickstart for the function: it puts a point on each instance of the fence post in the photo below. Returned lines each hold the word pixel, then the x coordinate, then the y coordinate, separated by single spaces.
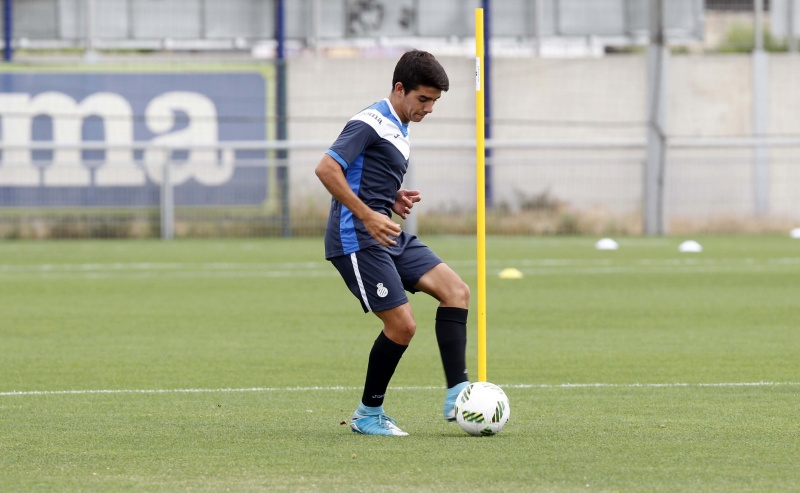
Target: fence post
pixel 89 54
pixel 167 203
pixel 281 98
pixel 760 114
pixel 791 15
pixel 654 168
pixel 538 26
pixel 8 29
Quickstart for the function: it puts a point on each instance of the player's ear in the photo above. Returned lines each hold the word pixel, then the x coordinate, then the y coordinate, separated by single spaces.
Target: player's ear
pixel 398 88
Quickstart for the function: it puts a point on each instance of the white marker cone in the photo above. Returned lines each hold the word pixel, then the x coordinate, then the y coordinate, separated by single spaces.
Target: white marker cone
pixel 606 244
pixel 690 246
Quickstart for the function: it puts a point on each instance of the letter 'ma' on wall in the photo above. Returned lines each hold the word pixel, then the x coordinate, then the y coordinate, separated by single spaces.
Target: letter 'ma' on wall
pixel 202 164
pixel 137 121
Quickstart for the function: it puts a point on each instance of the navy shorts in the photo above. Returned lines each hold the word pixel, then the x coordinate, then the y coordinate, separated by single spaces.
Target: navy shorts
pixel 379 276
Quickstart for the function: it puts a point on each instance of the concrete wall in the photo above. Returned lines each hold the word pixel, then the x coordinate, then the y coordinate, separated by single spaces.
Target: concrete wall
pixel 575 100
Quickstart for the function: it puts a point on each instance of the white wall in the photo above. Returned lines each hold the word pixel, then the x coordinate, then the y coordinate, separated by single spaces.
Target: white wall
pixel 576 100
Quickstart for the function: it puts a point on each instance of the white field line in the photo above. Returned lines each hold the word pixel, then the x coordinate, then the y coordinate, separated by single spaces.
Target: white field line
pixel 321 268
pixel 407 388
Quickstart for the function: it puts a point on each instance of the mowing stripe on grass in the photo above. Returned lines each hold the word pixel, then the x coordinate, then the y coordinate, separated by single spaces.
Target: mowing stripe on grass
pixel 337 388
pixel 321 268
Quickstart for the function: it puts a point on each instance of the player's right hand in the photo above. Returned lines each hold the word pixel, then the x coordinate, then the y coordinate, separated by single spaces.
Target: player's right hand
pixel 382 228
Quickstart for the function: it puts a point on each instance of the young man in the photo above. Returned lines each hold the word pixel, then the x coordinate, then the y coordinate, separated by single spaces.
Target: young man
pixel 363 170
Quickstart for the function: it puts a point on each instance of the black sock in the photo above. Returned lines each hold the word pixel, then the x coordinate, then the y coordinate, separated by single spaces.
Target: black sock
pixel 383 359
pixel 451 334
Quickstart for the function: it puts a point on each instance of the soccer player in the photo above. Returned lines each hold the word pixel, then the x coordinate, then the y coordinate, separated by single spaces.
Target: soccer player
pixel 363 170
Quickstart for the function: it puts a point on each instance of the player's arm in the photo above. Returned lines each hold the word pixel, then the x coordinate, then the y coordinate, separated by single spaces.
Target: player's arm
pixel 381 227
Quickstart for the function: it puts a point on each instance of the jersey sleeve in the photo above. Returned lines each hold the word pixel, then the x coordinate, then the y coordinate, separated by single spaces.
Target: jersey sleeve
pixel 355 137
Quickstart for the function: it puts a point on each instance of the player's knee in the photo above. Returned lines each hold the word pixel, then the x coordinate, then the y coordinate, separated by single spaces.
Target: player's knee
pixel 408 330
pixel 460 295
pixel 465 293
pixel 401 332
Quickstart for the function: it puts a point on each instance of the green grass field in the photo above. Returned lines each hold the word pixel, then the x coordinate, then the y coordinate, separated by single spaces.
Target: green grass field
pixel 229 365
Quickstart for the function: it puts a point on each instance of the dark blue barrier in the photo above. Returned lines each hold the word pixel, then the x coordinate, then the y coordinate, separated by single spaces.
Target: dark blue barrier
pixel 144 120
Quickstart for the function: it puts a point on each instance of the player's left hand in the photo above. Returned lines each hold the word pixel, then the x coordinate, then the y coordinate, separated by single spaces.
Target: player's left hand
pixel 404 201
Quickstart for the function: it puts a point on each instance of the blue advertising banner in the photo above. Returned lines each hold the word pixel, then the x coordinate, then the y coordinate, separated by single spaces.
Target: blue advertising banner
pixel 182 116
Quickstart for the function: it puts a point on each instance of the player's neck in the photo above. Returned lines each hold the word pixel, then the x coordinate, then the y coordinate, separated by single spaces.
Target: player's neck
pixel 396 106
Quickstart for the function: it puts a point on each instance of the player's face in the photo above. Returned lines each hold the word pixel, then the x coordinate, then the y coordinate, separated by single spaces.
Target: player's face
pixel 417 103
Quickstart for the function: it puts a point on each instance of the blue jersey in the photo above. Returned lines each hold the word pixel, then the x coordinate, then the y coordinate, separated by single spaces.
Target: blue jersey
pixel 373 150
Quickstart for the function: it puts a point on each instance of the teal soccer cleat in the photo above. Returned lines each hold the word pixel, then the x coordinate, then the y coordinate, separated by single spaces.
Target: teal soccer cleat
pixel 374 422
pixel 450 401
pixel 376 425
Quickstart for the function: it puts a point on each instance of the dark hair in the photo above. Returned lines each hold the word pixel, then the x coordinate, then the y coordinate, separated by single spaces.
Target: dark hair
pixel 419 68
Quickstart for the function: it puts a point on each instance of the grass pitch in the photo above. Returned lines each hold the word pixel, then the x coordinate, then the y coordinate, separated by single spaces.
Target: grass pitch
pixel 231 364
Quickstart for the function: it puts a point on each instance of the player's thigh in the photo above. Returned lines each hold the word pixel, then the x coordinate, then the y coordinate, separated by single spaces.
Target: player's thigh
pixel 415 260
pixel 371 276
pixel 444 284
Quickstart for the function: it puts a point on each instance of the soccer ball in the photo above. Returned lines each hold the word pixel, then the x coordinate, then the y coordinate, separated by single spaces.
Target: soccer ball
pixel 482 409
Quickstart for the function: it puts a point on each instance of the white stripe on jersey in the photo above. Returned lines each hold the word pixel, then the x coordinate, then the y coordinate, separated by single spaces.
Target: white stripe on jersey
pixel 386 129
pixel 360 282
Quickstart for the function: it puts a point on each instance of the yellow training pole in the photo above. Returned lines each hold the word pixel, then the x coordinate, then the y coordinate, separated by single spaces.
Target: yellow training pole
pixel 480 155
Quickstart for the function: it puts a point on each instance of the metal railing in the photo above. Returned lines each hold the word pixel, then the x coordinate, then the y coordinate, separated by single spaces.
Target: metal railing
pixel 705 178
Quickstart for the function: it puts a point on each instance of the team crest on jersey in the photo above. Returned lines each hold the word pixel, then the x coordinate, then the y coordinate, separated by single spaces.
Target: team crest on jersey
pixel 382 290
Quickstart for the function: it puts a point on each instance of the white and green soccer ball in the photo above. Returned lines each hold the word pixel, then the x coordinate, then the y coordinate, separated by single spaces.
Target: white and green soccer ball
pixel 482 409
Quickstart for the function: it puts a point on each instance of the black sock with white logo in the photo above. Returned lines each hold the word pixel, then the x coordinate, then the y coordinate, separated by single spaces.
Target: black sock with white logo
pixel 383 360
pixel 451 334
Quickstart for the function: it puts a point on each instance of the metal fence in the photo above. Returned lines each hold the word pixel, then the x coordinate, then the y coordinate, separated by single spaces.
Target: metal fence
pixel 251 26
pixel 131 146
pixel 241 24
pixel 539 188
